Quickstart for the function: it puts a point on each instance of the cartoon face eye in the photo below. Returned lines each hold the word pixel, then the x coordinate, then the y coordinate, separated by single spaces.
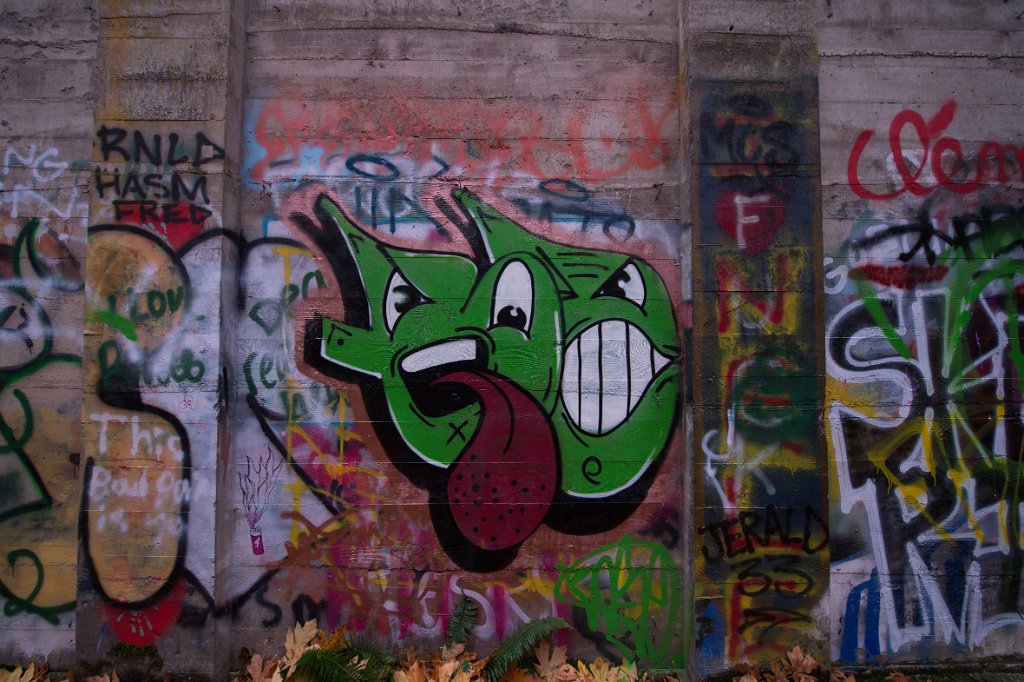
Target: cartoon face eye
pixel 626 283
pixel 513 298
pixel 400 299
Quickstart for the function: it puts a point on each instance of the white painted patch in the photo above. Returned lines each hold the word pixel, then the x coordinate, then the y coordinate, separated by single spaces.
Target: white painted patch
pixel 607 369
pixel 440 354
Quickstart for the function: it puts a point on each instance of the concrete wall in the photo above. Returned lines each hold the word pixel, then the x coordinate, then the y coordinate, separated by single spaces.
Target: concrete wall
pixel 921 193
pixel 345 312
pixel 49 50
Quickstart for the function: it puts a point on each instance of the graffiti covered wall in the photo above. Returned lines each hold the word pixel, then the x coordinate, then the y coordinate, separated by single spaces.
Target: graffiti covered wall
pixel 922 216
pixel 923 364
pixel 44 214
pixel 762 543
pixel 311 310
pixel 459 350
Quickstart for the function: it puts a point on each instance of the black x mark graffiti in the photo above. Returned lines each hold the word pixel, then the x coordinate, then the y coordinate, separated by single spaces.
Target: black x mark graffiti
pixel 457 431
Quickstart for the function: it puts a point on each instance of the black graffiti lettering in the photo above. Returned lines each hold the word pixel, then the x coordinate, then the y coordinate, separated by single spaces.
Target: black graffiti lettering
pixel 779 135
pixel 753 529
pixel 217 152
pixel 617 226
pixel 141 211
pixel 725 536
pixel 142 148
pixel 149 148
pixel 770 617
pixel 753 581
pixel 772 526
pixel 152 181
pixel 139 187
pixel 799 584
pixel 110 139
pixel 180 189
pixel 305 609
pixel 815 531
pixel 991 232
pixel 745 133
pixel 103 184
pixel 184 213
pixel 132 185
pixel 748 526
pixel 715 552
pixel 172 151
pixel 276 614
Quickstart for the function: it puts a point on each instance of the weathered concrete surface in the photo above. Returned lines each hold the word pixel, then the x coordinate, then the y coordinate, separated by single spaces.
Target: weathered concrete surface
pixel 47 50
pixel 925 536
pixel 164 189
pixel 565 115
pixel 214 421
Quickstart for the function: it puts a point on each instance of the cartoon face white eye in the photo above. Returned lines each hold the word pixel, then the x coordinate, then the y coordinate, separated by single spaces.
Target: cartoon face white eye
pixel 400 299
pixel 626 283
pixel 513 298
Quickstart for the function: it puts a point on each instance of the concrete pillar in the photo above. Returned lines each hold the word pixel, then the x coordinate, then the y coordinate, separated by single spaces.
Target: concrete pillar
pixel 761 546
pixel 164 186
pixel 46 53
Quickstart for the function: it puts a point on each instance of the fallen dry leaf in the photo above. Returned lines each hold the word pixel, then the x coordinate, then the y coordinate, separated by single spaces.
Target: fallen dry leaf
pixel 549 660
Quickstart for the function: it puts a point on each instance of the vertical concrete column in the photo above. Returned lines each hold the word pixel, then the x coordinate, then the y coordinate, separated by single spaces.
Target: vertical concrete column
pixel 761 490
pixel 162 197
pixel 46 49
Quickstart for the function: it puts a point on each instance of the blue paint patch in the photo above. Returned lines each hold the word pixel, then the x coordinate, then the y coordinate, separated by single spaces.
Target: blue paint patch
pixel 851 645
pixel 710 629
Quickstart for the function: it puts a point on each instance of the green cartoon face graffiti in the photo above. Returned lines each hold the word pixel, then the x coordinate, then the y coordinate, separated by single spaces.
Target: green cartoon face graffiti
pixel 530 371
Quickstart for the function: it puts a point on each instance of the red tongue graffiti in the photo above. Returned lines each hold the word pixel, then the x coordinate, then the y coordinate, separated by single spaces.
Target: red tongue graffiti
pixel 503 483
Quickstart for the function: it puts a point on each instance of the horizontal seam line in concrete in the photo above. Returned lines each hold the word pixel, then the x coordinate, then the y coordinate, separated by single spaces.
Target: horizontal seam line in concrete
pixel 455 29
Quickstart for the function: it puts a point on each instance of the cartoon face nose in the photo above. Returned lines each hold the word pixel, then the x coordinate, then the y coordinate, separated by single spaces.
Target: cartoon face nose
pixel 438 354
pixel 421 368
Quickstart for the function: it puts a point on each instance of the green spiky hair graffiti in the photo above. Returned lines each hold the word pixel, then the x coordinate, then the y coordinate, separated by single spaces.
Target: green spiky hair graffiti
pixel 530 371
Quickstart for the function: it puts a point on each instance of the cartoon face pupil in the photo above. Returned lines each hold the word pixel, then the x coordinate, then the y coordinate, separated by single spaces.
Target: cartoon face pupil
pixel 512 316
pixel 401 298
pixel 406 298
pixel 625 283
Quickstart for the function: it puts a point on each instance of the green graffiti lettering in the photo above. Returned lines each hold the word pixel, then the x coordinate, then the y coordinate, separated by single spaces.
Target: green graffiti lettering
pixel 16 605
pixel 630 592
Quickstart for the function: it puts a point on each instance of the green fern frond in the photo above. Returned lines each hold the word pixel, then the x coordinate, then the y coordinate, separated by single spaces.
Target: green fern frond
pixel 378 660
pixel 519 645
pixel 329 665
pixel 344 665
pixel 461 623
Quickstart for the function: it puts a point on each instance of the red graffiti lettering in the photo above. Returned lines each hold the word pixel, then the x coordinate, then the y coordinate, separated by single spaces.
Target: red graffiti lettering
pixel 751 219
pixel 945 156
pixel 497 141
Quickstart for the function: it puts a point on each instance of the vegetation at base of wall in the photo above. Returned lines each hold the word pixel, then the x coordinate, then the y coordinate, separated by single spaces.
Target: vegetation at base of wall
pixel 314 656
pixel 29 674
pixel 796 666
pixel 461 622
